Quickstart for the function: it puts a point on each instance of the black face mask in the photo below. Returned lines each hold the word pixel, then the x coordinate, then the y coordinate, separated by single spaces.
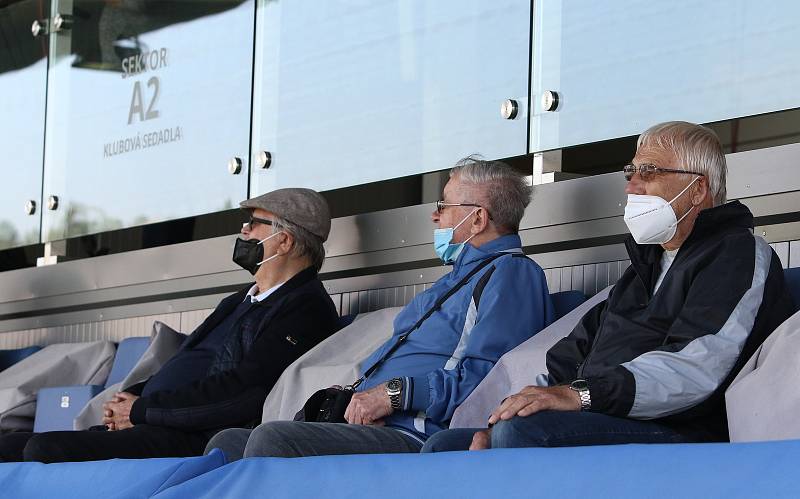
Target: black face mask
pixel 248 254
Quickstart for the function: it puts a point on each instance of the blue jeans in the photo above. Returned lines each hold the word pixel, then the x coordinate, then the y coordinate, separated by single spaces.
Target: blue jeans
pixel 559 429
pixel 297 439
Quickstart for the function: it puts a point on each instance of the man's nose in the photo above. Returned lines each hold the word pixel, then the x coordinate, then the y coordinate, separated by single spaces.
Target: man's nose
pixel 635 185
pixel 435 216
pixel 244 230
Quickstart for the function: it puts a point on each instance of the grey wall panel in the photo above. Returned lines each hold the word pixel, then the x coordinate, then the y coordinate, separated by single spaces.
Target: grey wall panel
pixel 782 249
pixel 190 320
pixel 794 254
pixel 113 330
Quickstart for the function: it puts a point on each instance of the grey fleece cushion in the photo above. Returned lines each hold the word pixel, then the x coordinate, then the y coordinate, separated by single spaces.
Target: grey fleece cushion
pixel 62 364
pixel 335 361
pixel 763 401
pixel 518 368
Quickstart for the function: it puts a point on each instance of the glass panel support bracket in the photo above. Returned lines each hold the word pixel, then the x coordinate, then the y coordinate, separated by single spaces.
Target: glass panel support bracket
pixel 54 251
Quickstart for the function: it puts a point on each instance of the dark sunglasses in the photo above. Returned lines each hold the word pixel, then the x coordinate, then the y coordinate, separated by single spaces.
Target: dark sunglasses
pixel 253 221
pixel 648 171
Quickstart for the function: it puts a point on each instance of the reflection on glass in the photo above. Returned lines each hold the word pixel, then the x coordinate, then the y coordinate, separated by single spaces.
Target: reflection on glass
pixel 622 66
pixel 148 100
pixel 23 79
pixel 354 91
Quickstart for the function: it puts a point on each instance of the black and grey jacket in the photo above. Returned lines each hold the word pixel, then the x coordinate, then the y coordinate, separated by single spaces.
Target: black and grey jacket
pixel 669 356
pixel 271 335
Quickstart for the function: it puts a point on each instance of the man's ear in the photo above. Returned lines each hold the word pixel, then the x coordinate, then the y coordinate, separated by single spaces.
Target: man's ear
pixel 286 244
pixel 480 222
pixel 700 191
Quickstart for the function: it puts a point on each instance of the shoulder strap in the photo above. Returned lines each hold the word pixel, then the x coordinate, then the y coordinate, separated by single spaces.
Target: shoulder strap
pixel 436 306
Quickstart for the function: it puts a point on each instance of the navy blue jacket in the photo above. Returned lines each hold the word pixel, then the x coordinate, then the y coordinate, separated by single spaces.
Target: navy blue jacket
pixel 272 335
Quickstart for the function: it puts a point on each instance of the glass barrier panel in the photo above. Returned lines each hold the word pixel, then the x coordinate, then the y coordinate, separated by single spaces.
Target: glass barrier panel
pixel 355 91
pixel 619 67
pixel 23 83
pixel 148 103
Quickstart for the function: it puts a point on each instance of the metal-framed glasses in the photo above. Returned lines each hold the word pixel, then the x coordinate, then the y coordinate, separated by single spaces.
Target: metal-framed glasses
pixel 649 171
pixel 253 221
pixel 441 205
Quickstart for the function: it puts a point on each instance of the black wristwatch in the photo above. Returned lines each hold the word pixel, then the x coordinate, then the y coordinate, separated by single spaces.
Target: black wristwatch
pixel 394 389
pixel 582 387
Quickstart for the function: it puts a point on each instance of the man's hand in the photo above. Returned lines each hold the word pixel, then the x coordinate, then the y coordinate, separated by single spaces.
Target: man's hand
pixel 369 407
pixel 533 399
pixel 482 440
pixel 117 411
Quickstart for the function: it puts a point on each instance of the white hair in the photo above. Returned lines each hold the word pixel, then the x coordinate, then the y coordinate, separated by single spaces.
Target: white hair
pixel 696 148
pixel 505 191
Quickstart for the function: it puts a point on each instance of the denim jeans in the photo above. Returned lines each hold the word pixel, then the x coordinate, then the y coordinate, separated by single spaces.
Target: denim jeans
pixel 297 439
pixel 559 429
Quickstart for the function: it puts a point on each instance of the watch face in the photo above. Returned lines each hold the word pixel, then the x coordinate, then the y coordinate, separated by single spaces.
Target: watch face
pixel 579 385
pixel 394 385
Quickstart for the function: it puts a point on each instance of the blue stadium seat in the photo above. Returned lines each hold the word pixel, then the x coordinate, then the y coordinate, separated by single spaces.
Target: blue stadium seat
pixel 10 357
pixel 346 320
pixel 129 352
pixel 566 301
pixel 793 281
pixel 57 407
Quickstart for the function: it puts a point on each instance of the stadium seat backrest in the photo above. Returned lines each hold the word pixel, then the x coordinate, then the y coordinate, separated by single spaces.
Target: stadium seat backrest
pixel 56 407
pixel 346 320
pixel 10 357
pixel 129 352
pixel 566 301
pixel 793 281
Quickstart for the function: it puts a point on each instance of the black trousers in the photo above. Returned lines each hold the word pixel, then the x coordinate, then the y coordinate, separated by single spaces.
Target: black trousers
pixel 140 441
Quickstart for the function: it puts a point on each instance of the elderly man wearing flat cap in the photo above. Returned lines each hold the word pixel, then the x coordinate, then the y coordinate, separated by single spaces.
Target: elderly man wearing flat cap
pixel 222 373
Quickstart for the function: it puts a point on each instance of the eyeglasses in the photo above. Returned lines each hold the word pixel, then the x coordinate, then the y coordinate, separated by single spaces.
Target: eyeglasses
pixel 441 205
pixel 648 171
pixel 253 221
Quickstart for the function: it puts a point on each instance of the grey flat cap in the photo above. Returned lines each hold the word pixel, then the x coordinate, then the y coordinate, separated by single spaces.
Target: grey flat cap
pixel 303 207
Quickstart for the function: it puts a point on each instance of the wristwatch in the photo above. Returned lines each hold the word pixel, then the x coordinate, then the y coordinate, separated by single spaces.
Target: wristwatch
pixel 394 389
pixel 582 387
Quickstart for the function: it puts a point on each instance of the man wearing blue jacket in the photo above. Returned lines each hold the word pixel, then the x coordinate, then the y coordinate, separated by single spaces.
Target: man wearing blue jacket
pixel 500 300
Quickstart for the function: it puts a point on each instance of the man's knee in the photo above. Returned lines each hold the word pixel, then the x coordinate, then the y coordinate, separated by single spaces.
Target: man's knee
pixel 45 448
pixel 530 431
pixel 272 440
pixel 231 442
pixel 449 440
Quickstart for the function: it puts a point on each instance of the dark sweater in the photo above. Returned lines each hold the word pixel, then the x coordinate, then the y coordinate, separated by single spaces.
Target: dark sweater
pixel 260 345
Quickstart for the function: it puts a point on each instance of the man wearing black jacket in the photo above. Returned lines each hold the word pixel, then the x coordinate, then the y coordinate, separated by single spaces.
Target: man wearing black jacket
pixel 223 371
pixel 652 362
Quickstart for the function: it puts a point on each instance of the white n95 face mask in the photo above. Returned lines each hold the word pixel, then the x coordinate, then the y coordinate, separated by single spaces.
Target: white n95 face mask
pixel 651 219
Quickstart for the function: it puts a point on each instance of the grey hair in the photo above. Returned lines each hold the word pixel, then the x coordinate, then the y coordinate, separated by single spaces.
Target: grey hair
pixel 505 192
pixel 305 243
pixel 696 147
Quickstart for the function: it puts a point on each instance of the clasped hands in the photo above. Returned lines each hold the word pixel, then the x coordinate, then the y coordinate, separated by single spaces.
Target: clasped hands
pixel 117 411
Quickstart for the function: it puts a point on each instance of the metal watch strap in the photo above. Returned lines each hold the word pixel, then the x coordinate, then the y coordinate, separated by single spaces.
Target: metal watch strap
pixel 582 387
pixel 395 394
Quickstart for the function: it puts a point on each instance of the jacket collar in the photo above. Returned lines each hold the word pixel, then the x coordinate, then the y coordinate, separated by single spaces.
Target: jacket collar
pixel 470 254
pixel 709 223
pixel 297 280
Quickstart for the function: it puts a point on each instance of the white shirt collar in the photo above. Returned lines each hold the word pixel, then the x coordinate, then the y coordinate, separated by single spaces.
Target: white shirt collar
pixel 251 293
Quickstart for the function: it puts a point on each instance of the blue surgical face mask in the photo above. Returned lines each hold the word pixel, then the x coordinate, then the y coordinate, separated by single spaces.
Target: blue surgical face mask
pixel 443 245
